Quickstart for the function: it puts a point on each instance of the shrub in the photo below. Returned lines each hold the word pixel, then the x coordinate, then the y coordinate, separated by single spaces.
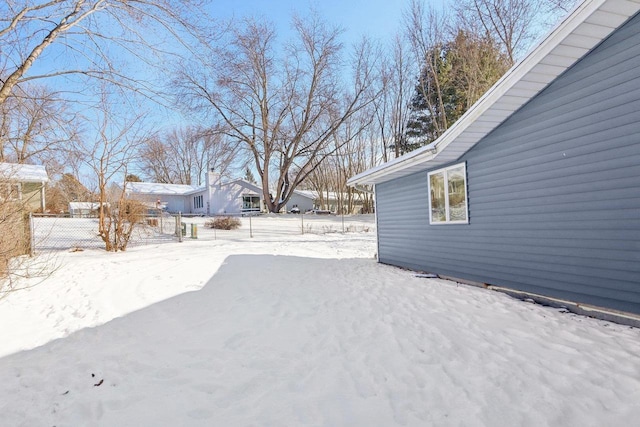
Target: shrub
pixel 223 223
pixel 14 234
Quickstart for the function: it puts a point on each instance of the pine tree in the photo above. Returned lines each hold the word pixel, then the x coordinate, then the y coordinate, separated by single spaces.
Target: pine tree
pixel 455 75
pixel 248 176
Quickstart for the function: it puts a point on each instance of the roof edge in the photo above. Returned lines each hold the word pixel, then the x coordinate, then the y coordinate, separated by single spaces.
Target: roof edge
pixel 563 29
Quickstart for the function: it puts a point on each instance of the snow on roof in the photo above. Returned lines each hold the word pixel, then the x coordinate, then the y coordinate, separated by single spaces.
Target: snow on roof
pixel 310 194
pixel 23 173
pixel 579 32
pixel 84 205
pixel 157 188
pixel 331 195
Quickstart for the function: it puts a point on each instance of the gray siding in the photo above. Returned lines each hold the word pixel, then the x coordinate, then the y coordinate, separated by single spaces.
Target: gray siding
pixel 554 192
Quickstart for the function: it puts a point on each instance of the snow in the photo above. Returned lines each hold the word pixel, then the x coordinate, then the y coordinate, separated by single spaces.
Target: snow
pixel 161 188
pixel 286 329
pixel 24 173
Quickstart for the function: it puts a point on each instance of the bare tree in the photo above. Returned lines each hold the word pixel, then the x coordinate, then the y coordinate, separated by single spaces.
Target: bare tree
pixel 37 126
pixel 109 155
pixel 86 33
pixel 392 107
pixel 356 154
pixel 183 155
pixel 427 34
pixel 515 23
pixel 285 108
pixel 64 190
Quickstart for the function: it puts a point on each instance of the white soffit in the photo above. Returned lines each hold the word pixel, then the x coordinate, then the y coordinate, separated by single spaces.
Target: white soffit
pixel 584 28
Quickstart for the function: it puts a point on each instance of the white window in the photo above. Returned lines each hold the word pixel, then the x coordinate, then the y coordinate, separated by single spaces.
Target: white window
pixel 198 202
pixel 448 195
pixel 250 203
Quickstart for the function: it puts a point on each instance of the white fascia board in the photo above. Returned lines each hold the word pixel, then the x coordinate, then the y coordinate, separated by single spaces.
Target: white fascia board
pixel 416 156
pixel 500 90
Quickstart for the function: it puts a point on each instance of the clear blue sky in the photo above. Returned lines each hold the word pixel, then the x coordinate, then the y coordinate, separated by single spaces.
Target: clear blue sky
pixel 378 19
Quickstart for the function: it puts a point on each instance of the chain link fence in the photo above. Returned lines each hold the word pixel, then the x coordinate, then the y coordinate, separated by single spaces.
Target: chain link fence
pixel 65 233
pixel 275 226
pixel 52 233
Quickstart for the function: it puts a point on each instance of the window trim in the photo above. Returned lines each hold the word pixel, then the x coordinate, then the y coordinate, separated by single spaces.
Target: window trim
pixel 444 171
pixel 198 202
pixel 253 206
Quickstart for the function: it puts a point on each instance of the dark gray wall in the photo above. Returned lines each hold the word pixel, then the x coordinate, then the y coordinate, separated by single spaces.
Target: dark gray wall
pixel 554 192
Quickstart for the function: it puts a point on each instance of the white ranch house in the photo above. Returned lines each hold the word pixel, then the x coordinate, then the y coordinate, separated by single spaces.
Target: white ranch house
pixel 215 197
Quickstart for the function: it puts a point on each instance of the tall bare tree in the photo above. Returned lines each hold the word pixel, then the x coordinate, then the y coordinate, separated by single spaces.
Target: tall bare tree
pixel 514 23
pixel 354 156
pixel 427 33
pixel 183 155
pixel 392 107
pixel 90 34
pixel 284 106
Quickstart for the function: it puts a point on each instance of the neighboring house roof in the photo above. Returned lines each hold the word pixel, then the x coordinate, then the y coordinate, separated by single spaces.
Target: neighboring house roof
pixel 23 173
pixel 254 189
pixel 158 188
pixel 584 28
pixel 84 205
pixel 309 194
pixel 331 195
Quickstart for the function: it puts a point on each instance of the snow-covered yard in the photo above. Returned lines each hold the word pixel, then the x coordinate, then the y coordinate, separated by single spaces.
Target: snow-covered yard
pixel 297 330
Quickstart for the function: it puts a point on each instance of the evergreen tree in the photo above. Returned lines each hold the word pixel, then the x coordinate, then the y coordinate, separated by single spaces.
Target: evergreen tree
pixel 455 75
pixel 248 176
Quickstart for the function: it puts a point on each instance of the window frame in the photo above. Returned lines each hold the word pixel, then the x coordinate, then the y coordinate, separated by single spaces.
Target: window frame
pixel 445 171
pixel 253 206
pixel 198 202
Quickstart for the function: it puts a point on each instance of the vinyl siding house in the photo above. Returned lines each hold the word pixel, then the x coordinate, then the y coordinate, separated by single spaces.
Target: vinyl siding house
pixel 536 189
pixel 215 197
pixel 24 183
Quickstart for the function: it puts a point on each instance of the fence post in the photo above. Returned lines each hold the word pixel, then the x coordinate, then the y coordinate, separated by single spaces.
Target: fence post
pixel 179 226
pixel 302 219
pixel 250 226
pixel 32 230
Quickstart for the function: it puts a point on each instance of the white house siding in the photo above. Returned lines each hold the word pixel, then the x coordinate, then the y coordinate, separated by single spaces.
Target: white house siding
pixel 174 203
pixel 227 198
pixel 304 203
pixel 190 199
pixel 553 192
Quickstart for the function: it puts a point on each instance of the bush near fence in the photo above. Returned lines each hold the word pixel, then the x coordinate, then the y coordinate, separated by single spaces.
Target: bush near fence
pixel 15 236
pixel 223 223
